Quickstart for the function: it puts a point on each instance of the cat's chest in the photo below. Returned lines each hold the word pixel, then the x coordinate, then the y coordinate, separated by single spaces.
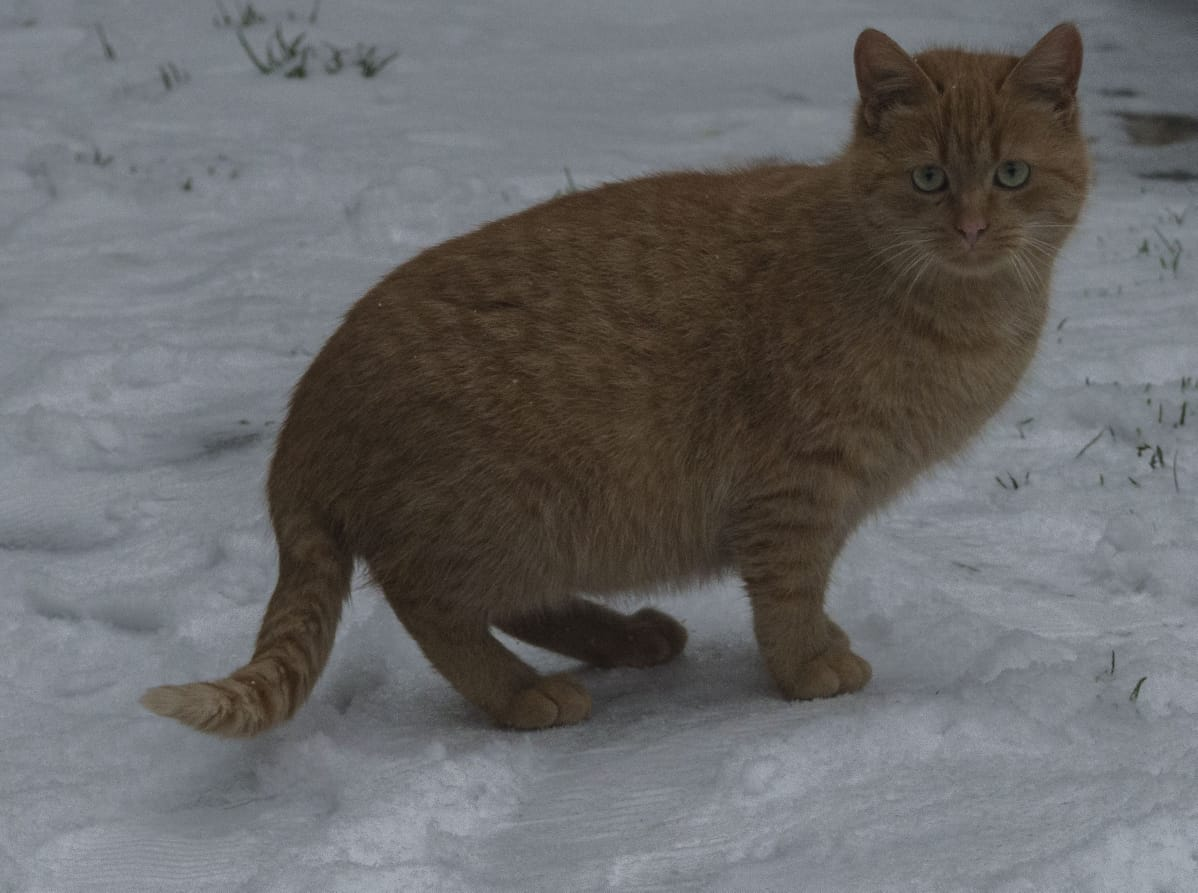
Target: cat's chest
pixel 902 401
pixel 933 398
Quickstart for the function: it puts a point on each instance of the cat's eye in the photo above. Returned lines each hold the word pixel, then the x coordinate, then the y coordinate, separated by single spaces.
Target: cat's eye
pixel 1012 174
pixel 929 178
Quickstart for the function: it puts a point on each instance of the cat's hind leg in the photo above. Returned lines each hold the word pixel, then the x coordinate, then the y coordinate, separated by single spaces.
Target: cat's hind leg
pixel 460 646
pixel 600 636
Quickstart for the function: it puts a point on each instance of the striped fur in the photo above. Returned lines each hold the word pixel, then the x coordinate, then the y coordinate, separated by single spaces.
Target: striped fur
pixel 293 645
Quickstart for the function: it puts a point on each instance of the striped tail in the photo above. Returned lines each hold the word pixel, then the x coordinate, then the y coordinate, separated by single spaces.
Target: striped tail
pixel 293 643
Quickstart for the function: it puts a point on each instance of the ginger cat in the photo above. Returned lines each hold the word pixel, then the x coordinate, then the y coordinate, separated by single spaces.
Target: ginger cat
pixel 654 381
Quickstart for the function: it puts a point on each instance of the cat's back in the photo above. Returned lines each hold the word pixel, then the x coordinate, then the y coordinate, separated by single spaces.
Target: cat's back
pixel 667 244
pixel 593 302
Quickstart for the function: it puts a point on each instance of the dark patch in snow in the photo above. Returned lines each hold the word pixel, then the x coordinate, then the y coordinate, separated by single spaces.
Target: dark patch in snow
pixel 137 619
pixel 52 537
pixel 129 618
pixel 794 96
pixel 1176 175
pixel 214 446
pixel 1159 129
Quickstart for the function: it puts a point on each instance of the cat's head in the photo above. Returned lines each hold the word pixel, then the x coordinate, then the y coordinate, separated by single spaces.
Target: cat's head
pixel 968 161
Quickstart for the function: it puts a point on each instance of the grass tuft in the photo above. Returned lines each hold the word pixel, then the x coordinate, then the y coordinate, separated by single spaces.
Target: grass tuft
pixel 172 76
pixel 1135 692
pixel 98 158
pixel 369 62
pixel 109 52
pixel 1107 673
pixel 571 187
pixel 1093 441
pixel 245 16
pixel 311 17
pixel 291 56
pixel 1013 483
pixel 1171 255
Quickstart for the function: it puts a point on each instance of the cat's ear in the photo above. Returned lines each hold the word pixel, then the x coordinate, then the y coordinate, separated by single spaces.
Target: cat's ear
pixel 886 77
pixel 1050 70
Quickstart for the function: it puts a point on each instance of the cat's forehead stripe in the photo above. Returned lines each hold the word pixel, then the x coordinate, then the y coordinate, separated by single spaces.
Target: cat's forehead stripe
pixel 970 111
pixel 968 119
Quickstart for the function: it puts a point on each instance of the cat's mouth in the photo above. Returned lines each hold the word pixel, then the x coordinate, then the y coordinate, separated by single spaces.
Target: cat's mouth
pixel 980 259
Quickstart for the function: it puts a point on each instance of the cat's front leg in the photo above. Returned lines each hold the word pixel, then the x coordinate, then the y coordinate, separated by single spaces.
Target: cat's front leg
pixel 786 563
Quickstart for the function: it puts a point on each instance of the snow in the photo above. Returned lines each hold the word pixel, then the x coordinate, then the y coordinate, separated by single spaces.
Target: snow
pixel 173 257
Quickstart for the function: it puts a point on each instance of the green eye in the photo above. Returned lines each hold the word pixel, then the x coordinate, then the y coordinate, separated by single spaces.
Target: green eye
pixel 1012 174
pixel 929 178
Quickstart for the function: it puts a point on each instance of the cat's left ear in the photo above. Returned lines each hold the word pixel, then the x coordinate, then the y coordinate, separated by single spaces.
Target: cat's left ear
pixel 1050 70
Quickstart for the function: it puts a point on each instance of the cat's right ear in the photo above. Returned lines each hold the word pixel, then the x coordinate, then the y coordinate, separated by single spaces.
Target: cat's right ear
pixel 886 77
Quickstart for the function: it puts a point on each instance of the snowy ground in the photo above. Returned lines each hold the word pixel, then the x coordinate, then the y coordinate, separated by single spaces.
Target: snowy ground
pixel 178 235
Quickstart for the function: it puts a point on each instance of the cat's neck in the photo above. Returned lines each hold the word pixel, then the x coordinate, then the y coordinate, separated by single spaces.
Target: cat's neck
pixel 1006 306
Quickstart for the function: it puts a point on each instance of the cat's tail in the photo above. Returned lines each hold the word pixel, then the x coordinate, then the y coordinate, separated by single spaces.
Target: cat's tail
pixel 315 570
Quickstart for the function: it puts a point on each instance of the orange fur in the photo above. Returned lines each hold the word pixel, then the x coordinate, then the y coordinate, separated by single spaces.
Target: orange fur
pixel 657 380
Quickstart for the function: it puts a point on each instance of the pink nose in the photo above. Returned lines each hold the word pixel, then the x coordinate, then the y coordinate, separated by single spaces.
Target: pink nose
pixel 971 229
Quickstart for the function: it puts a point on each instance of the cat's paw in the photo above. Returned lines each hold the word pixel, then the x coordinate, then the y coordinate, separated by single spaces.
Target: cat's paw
pixel 549 701
pixel 648 638
pixel 837 671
